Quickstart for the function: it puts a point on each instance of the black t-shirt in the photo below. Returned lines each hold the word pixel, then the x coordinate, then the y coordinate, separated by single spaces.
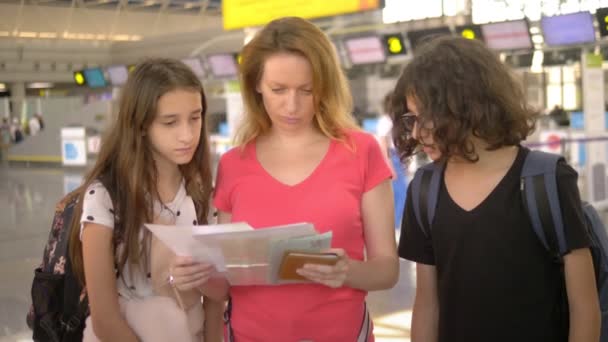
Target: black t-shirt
pixel 496 282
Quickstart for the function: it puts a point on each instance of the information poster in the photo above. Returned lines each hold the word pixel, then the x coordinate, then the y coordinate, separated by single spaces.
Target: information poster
pixel 73 146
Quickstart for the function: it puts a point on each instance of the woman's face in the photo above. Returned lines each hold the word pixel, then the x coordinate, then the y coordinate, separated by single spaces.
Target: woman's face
pixel 286 87
pixel 422 134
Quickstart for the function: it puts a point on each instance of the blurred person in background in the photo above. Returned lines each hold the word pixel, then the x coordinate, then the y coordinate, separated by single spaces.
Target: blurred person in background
pixel 34 126
pixel 5 139
pixel 384 133
pixel 560 116
pixel 40 121
pixel 16 131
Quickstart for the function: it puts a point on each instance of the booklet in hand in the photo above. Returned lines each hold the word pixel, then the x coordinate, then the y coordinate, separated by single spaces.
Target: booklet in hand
pixel 294 260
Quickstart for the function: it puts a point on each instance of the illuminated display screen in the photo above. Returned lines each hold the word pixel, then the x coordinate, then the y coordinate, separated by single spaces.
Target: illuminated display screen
pixel 568 29
pixel 95 78
pixel 222 65
pixel 196 66
pixel 117 74
pixel 507 35
pixel 365 50
pixel 394 44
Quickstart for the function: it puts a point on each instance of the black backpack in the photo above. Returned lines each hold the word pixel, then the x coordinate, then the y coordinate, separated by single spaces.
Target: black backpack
pixel 59 303
pixel 541 200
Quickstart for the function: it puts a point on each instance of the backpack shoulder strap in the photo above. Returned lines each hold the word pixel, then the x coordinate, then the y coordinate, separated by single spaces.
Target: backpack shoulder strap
pixel 74 309
pixel 541 199
pixel 425 192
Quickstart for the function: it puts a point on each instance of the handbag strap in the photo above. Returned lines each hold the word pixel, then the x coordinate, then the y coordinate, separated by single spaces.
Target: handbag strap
pixel 366 325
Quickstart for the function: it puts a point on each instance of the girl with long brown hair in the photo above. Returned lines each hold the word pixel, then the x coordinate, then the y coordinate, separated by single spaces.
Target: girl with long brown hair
pixel 153 167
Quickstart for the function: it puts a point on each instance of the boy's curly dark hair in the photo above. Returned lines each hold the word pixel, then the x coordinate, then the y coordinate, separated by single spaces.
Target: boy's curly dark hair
pixel 462 89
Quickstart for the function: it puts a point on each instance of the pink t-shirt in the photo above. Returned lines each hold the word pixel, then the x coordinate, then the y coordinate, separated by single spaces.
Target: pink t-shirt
pixel 330 198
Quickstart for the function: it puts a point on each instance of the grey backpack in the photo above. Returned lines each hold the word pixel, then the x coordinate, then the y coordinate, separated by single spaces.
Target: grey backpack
pixel 541 199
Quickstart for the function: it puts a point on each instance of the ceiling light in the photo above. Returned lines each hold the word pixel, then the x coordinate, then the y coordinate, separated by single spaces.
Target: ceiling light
pixel 27 34
pixel 40 85
pixel 85 36
pixel 47 35
pixel 120 37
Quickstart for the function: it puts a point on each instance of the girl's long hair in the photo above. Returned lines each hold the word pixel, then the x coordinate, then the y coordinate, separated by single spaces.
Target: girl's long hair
pixel 126 168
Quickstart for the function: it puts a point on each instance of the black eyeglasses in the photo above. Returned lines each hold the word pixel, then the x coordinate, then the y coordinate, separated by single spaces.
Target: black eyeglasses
pixel 409 120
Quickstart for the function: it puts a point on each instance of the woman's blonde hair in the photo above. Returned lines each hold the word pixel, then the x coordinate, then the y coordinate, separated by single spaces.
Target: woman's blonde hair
pixel 332 99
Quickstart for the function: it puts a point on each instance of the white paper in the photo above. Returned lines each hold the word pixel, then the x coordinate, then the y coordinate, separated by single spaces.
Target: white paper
pixel 221 228
pixel 243 254
pixel 179 239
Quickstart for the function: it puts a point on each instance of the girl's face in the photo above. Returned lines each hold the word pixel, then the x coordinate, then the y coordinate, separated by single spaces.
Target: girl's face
pixel 286 87
pixel 423 134
pixel 176 130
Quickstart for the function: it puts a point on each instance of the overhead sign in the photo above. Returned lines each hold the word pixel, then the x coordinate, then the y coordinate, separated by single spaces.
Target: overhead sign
pixel 246 13
pixel 394 44
pixel 469 31
pixel 79 78
pixel 602 21
pixel 238 57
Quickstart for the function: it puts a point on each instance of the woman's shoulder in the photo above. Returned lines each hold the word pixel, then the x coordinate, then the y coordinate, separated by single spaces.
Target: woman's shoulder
pixel 237 156
pixel 236 153
pixel 359 138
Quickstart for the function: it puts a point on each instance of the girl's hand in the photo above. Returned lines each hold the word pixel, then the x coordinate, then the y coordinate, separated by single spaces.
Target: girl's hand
pixel 331 276
pixel 186 274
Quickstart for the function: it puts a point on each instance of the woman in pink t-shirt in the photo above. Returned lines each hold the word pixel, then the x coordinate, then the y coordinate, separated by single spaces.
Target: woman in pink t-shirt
pixel 301 159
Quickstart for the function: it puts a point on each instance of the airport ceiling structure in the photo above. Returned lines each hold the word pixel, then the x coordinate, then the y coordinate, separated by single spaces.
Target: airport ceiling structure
pixel 105 20
pixel 50 38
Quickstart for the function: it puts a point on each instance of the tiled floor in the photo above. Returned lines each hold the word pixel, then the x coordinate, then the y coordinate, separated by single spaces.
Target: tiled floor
pixel 27 201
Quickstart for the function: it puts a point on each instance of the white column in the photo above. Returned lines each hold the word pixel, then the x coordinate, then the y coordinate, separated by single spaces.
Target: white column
pixel 17 98
pixel 595 123
pixel 38 106
pixel 234 106
pixel 6 108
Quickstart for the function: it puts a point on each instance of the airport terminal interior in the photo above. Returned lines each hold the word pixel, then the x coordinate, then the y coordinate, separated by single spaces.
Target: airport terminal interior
pixel 63 64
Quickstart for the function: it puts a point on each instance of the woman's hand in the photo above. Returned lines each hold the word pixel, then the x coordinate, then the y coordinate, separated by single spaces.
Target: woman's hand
pixel 331 276
pixel 186 274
